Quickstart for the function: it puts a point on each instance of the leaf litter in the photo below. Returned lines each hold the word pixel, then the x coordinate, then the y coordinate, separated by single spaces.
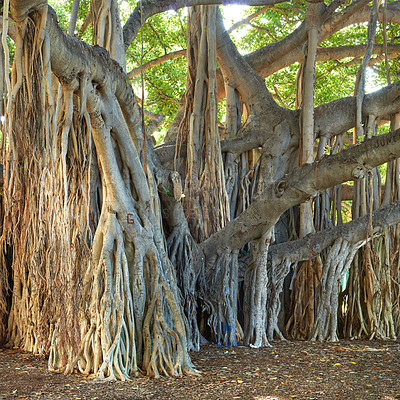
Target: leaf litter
pixel 356 370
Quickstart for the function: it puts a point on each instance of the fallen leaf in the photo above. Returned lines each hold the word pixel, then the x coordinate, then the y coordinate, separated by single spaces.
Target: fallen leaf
pixel 341 348
pixel 371 349
pixel 353 363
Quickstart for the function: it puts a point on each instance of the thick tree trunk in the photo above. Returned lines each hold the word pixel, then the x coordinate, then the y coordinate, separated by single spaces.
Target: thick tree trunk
pixel 124 294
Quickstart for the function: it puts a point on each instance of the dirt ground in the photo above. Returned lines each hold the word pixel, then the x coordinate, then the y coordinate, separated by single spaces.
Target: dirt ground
pixel 288 370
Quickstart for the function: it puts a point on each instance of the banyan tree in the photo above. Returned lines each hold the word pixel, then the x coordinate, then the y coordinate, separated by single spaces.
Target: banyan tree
pixel 269 210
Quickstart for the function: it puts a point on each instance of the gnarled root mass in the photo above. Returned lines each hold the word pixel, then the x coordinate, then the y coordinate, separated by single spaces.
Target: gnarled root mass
pixel 181 248
pixel 134 322
pixel 220 297
pixel 371 296
pixel 255 298
pixel 336 263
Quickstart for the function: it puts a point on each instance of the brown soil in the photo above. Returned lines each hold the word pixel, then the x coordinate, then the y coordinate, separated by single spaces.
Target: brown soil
pixel 288 370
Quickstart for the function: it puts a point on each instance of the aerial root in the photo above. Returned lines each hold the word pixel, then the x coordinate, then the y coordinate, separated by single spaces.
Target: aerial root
pixel 107 348
pixel 277 274
pixel 167 351
pixel 180 248
pixel 220 298
pixel 334 267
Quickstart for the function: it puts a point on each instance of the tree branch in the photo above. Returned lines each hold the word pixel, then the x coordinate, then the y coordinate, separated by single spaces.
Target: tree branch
pixel 248 19
pixel 338 116
pixel 271 58
pixel 336 53
pixel 241 76
pixel 152 7
pixel 149 64
pixel 393 16
pixel 354 231
pixel 299 186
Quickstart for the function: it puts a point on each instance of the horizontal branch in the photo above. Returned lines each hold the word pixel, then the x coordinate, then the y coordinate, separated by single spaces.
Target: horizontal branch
pixel 271 58
pixel 338 116
pixel 393 16
pixel 275 56
pixel 301 185
pixel 151 7
pixel 247 19
pixel 157 61
pixel 330 119
pixel 340 52
pixel 354 231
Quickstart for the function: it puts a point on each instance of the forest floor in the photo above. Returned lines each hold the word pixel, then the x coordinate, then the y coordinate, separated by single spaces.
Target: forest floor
pixel 289 370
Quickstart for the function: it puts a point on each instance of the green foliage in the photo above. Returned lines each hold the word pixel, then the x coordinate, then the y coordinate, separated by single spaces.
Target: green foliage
pixel 11 49
pixel 63 10
pixel 271 26
pixel 164 83
pixel 164 33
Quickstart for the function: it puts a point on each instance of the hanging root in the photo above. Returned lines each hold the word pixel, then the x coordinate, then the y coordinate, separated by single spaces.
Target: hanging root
pixel 31 203
pixel 255 301
pixel 180 250
pixel 301 320
pixel 220 298
pixel 334 266
pixel 371 298
pixel 277 274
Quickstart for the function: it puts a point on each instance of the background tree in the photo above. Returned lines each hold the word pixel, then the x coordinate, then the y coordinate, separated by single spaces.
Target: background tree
pixel 146 246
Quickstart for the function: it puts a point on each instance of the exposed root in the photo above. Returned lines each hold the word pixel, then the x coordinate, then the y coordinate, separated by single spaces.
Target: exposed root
pixel 277 274
pixel 134 322
pixel 255 301
pixel 220 298
pixel 335 265
pixel 180 250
